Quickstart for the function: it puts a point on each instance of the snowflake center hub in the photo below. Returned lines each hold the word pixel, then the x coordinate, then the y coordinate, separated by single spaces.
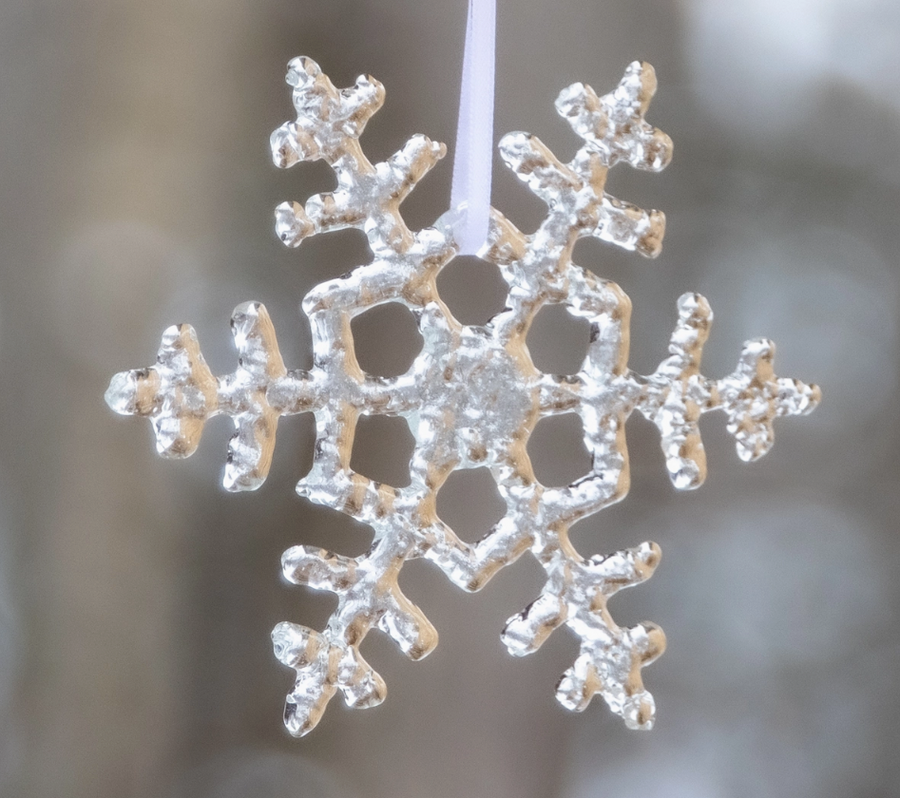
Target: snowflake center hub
pixel 491 406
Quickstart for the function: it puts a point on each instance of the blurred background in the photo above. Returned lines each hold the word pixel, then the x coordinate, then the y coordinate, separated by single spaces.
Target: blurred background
pixel 137 597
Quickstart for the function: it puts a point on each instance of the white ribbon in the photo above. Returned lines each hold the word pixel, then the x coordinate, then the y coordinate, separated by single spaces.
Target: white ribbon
pixel 470 195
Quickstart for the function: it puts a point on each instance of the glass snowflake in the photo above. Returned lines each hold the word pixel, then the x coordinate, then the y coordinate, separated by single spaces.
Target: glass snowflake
pixel 471 398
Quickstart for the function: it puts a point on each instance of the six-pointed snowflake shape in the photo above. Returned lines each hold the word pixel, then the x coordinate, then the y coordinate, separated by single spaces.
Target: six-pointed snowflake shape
pixel 472 397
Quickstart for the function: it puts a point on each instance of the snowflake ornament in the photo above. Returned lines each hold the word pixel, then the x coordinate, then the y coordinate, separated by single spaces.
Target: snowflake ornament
pixel 471 398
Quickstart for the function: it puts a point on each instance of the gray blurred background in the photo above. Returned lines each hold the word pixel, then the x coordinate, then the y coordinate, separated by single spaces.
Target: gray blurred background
pixel 136 596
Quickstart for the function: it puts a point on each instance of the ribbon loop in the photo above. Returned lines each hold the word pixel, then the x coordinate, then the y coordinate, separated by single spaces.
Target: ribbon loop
pixel 470 195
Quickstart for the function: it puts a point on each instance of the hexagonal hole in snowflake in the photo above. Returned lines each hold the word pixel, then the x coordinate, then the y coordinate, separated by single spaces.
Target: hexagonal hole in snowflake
pixel 470 504
pixel 558 340
pixel 557 451
pixel 473 289
pixel 382 449
pixel 386 340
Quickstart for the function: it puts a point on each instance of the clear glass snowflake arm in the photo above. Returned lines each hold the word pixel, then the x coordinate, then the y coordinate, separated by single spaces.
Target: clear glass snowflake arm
pixel 328 126
pixel 368 597
pixel 614 130
pixel 179 394
pixel 611 657
pixel 752 397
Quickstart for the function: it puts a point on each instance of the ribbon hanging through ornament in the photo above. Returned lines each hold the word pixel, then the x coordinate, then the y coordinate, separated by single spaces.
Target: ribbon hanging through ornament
pixel 470 195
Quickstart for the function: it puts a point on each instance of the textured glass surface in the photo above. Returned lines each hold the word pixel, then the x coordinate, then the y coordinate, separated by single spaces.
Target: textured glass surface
pixel 471 397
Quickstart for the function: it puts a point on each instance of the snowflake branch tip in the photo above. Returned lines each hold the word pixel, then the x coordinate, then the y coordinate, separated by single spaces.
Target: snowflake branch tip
pixel 409 165
pixel 614 125
pixel 328 119
pixel 627 568
pixel 630 227
pixel 322 668
pixel 408 627
pixel 292 225
pixel 526 632
pixel 318 569
pixel 537 166
pixel 616 676
pixel 753 397
pixel 611 658
pixel 178 394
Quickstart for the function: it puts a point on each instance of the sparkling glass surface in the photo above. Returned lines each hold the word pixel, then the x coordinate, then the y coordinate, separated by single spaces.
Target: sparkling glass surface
pixel 471 397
